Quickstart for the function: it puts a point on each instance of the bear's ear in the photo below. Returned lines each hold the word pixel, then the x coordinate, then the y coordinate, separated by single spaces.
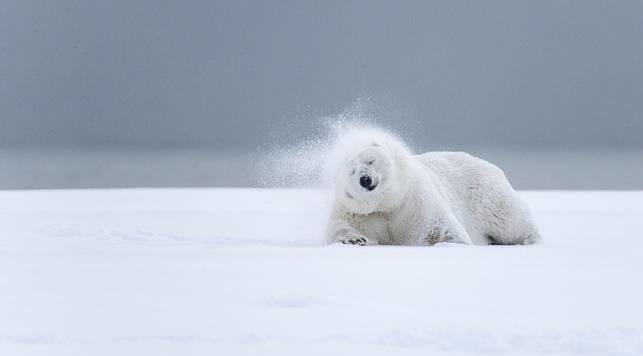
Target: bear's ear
pixel 375 144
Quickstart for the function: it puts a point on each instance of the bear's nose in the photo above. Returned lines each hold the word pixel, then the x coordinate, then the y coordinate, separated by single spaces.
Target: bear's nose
pixel 365 182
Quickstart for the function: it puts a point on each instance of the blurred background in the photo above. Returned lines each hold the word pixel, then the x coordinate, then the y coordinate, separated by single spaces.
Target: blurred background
pixel 191 93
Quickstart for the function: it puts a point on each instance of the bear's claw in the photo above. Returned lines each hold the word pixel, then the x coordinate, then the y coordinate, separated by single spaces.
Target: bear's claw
pixel 361 241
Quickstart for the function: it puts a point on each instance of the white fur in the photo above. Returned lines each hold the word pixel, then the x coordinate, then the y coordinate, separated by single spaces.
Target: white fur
pixel 423 199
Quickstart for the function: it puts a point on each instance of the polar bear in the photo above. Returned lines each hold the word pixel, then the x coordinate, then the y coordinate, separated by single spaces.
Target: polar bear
pixel 386 195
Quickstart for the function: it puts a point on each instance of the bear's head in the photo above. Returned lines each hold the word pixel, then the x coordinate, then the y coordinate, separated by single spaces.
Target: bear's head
pixel 372 177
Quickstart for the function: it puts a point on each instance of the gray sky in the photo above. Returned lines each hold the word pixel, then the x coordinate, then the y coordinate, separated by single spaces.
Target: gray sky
pixel 231 74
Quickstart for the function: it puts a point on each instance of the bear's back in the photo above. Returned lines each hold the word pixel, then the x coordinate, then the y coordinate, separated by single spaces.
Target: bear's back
pixel 460 168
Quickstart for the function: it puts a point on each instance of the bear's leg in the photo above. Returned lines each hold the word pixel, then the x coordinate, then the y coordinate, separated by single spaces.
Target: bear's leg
pixel 429 225
pixel 511 224
pixel 444 230
pixel 342 232
pixel 524 233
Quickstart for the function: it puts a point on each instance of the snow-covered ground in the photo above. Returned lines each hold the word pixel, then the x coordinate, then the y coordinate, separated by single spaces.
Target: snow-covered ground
pixel 244 271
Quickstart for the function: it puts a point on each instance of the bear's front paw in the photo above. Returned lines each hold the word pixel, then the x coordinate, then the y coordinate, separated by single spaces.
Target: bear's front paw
pixel 354 240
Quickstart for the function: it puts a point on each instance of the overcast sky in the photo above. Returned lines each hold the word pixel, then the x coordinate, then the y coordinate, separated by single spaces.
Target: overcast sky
pixel 231 74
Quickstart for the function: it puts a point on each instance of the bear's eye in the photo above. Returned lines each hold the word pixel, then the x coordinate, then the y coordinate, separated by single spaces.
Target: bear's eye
pixel 370 162
pixel 353 172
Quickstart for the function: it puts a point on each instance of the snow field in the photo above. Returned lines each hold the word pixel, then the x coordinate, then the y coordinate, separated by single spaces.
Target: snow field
pixel 245 272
